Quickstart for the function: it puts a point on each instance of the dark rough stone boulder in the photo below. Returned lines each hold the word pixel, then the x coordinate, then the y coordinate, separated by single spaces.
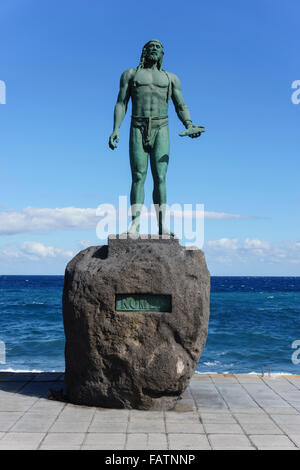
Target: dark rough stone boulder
pixel 133 359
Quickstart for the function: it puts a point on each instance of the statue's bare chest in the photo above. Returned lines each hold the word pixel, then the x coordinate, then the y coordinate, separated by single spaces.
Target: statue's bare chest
pixel 150 78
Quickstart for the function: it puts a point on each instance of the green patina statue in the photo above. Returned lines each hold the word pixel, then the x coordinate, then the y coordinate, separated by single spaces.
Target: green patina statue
pixel 150 88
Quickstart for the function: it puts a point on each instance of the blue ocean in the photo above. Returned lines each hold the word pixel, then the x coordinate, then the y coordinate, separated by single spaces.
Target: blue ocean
pixel 253 323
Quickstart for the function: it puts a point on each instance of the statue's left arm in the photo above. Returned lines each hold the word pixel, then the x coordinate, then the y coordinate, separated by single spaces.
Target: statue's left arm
pixel 182 109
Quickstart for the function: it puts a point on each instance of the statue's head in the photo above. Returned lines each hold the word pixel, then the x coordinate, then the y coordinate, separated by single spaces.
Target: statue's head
pixel 152 51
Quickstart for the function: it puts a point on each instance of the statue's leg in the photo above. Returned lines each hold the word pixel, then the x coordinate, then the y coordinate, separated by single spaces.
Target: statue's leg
pixel 159 159
pixel 138 164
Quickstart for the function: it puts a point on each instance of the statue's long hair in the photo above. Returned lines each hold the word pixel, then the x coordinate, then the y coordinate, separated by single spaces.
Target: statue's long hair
pixel 143 56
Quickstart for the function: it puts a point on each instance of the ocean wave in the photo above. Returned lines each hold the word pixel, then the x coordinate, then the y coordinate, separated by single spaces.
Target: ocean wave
pixel 214 363
pixel 36 371
pixel 272 374
pixel 246 328
pixel 267 374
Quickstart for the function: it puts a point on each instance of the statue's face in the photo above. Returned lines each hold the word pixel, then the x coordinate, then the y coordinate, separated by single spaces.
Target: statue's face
pixel 154 51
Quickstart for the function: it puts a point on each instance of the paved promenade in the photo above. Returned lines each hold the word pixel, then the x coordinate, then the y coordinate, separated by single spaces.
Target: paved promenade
pixel 216 412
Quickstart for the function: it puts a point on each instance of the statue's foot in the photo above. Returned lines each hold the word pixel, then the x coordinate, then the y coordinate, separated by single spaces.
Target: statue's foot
pixel 165 231
pixel 134 229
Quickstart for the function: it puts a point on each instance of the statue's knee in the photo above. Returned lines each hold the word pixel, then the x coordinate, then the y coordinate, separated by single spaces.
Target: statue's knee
pixel 139 177
pixel 160 179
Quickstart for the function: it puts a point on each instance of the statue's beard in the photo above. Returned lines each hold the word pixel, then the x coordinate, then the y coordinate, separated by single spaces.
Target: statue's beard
pixel 153 56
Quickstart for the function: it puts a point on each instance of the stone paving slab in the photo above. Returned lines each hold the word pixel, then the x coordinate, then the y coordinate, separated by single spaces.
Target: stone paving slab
pixel 188 442
pixel 230 442
pixel 271 442
pixel 70 441
pixel 148 441
pixel 217 411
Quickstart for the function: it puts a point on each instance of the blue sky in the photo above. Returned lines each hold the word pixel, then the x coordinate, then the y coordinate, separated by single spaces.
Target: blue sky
pixel 61 61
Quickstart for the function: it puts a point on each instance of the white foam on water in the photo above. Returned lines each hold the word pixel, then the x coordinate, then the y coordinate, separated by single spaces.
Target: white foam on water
pixel 214 363
pixel 272 374
pixel 266 374
pixel 37 371
pixel 275 374
pixel 205 373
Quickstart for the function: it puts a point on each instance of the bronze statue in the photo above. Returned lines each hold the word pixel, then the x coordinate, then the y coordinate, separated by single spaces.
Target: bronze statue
pixel 150 87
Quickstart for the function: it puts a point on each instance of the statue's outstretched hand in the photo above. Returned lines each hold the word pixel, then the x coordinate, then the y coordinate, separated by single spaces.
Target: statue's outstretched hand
pixel 193 131
pixel 114 137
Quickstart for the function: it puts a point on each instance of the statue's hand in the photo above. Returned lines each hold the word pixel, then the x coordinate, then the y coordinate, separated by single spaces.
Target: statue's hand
pixel 114 137
pixel 193 131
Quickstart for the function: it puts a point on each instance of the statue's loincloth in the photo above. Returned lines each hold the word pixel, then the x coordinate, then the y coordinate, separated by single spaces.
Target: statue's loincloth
pixel 149 127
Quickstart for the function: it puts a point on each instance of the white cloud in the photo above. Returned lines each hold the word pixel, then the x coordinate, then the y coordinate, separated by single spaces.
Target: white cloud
pixel 223 244
pixel 38 249
pixel 44 220
pixel 193 214
pixel 232 250
pixel 256 244
pixel 85 243
pixel 30 219
pixel 8 253
pixel 226 252
pixel 34 251
pixel 225 215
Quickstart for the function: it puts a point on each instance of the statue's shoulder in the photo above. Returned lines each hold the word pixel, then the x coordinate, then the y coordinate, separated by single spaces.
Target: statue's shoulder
pixel 127 75
pixel 173 78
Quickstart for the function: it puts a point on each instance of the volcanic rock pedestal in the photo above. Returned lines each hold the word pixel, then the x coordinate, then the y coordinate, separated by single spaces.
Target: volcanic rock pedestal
pixel 136 318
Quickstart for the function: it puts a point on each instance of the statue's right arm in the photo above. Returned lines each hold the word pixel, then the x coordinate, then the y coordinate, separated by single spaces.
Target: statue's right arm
pixel 121 106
